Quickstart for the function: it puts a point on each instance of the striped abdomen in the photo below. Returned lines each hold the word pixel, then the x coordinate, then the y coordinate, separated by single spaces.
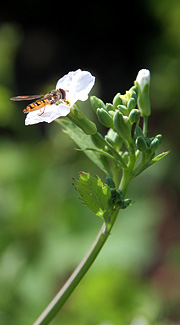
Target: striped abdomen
pixel 38 104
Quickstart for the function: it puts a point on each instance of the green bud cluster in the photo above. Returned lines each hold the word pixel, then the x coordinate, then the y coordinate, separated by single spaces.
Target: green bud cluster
pixel 118 200
pixel 119 115
pixel 145 144
pixel 117 195
pixel 125 140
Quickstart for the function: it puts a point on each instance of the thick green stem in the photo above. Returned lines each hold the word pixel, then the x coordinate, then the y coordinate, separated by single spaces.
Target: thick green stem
pixel 125 180
pixel 64 293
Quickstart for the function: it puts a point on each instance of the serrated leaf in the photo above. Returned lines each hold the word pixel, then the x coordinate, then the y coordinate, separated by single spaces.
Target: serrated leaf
pixel 95 194
pixel 84 141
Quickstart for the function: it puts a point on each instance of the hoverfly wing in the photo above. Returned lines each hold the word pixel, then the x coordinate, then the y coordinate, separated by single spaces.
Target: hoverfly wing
pixel 20 98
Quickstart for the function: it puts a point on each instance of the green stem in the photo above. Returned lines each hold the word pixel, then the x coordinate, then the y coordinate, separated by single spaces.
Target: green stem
pixel 113 150
pixel 64 293
pixel 125 180
pixel 127 173
pixel 116 176
pixel 145 124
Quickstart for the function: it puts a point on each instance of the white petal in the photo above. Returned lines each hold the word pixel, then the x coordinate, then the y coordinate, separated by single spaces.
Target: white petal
pixel 143 77
pixel 78 83
pixel 51 113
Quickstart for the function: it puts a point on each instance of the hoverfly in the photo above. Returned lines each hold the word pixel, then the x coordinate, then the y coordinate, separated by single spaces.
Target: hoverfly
pixel 53 97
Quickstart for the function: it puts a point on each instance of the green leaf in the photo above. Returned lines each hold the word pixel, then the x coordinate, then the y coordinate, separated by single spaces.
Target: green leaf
pixel 160 156
pixel 149 163
pixel 84 141
pixel 95 194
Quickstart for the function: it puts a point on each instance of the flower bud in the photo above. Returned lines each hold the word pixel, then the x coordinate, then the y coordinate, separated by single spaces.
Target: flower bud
pixel 143 82
pixel 104 117
pixel 117 100
pixel 134 116
pixel 131 104
pixel 97 103
pixel 109 107
pixel 155 142
pixel 138 132
pixel 121 125
pixel 123 109
pixel 109 181
pixel 141 144
pixel 134 92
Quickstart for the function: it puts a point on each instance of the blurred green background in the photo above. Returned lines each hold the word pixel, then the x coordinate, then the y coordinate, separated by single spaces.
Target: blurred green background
pixel 45 230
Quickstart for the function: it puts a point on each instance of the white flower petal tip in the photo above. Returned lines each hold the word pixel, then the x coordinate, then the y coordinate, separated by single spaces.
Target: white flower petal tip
pixel 143 77
pixel 77 85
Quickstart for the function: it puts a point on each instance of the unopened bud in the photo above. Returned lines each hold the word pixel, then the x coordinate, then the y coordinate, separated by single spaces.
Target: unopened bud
pixel 121 125
pixel 123 109
pixel 97 103
pixel 109 181
pixel 134 116
pixel 117 100
pixel 141 144
pixel 109 107
pixel 134 92
pixel 138 132
pixel 131 104
pixel 155 142
pixel 143 82
pixel 104 117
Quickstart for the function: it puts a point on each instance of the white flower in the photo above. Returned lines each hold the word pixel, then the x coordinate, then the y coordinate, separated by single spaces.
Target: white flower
pixel 77 84
pixel 143 82
pixel 143 77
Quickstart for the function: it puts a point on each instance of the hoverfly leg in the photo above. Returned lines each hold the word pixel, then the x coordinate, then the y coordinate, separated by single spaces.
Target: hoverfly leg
pixel 42 111
pixel 64 101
